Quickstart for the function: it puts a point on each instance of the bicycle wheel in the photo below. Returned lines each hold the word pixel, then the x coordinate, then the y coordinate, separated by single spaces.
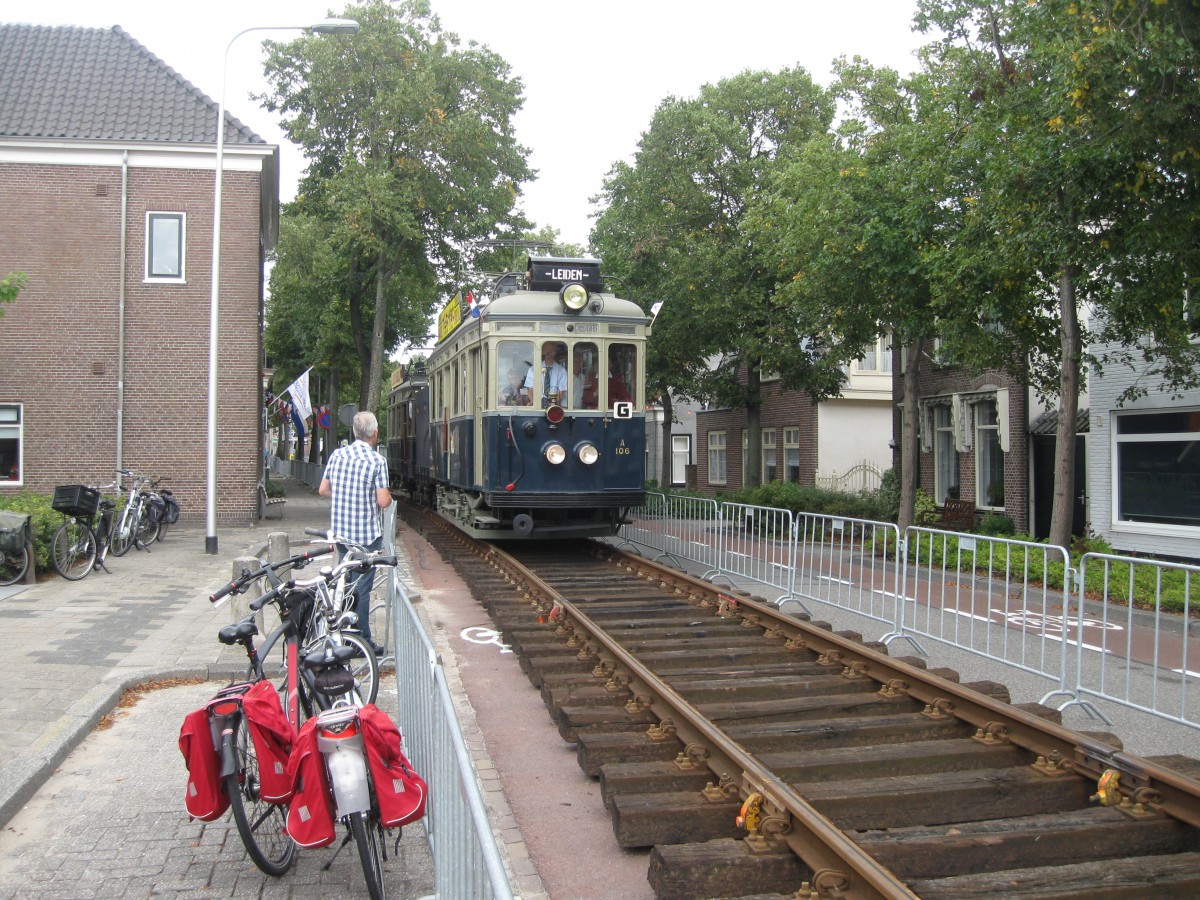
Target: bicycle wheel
pixel 368 838
pixel 260 824
pixel 147 531
pixel 364 666
pixel 123 533
pixel 74 549
pixel 13 565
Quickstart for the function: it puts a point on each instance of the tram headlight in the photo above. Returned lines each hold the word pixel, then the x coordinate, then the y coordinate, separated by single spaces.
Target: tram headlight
pixel 573 296
pixel 555 453
pixel 587 453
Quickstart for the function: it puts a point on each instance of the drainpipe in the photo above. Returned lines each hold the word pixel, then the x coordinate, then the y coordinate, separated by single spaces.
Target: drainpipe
pixel 121 316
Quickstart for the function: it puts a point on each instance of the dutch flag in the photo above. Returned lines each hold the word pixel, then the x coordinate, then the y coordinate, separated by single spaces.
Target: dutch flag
pixel 474 307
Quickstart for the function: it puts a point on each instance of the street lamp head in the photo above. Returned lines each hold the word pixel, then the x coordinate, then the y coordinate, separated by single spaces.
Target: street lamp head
pixel 334 26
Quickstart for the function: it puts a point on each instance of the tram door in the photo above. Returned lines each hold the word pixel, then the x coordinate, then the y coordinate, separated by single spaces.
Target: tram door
pixel 477 369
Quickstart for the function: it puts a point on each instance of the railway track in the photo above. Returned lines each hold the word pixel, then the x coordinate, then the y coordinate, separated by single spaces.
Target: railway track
pixel 760 755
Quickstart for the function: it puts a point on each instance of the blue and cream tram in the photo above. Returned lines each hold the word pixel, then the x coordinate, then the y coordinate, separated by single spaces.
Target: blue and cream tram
pixel 534 404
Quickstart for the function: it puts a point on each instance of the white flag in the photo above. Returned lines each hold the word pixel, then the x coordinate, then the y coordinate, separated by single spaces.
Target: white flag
pixel 299 391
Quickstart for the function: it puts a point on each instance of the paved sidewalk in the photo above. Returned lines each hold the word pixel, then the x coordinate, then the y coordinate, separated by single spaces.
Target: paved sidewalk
pixel 72 647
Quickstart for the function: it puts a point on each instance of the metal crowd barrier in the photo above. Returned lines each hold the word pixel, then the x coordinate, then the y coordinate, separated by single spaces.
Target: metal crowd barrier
pixel 1128 649
pixel 758 543
pixel 849 563
pixel 466 858
pixel 999 598
pixel 1016 602
pixel 678 527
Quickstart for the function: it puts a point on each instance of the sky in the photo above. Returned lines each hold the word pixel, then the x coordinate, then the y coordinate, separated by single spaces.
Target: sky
pixel 593 72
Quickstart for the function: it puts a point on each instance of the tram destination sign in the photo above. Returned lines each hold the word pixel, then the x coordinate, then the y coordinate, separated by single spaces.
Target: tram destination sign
pixel 551 273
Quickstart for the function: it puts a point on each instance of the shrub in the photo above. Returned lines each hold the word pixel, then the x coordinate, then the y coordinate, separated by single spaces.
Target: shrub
pixel 43 523
pixel 996 523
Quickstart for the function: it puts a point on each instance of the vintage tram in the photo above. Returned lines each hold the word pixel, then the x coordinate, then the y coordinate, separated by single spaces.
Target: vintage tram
pixel 528 420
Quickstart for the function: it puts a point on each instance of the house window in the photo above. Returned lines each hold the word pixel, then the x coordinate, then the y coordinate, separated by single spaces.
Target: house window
pixel 717 458
pixel 165 234
pixel 1158 468
pixel 11 462
pixel 681 455
pixel 877 357
pixel 989 457
pixel 791 454
pixel 770 468
pixel 945 454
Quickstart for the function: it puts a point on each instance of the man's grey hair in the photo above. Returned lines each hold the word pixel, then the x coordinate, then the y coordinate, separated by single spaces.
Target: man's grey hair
pixel 365 425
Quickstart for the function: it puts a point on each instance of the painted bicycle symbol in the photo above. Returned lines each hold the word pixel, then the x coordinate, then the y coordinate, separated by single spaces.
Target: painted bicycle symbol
pixel 477 634
pixel 1034 621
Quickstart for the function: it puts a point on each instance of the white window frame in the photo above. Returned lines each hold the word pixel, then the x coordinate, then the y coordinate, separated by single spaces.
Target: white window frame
pixel 982 448
pixel 718 457
pixel 791 445
pixel 1117 439
pixel 157 278
pixel 681 457
pixel 768 447
pixel 12 421
pixel 943 440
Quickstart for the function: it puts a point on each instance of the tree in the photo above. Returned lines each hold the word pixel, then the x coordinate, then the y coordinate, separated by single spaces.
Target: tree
pixel 10 286
pixel 411 152
pixel 1074 161
pixel 673 228
pixel 847 220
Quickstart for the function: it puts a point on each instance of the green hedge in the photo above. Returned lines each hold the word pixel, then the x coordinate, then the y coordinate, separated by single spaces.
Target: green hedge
pixel 44 522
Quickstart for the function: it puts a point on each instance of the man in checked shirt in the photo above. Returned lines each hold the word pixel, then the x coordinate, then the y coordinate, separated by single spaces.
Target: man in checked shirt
pixel 356 480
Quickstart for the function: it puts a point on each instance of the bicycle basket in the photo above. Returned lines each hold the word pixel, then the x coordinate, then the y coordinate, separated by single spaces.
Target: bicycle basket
pixel 14 531
pixel 76 500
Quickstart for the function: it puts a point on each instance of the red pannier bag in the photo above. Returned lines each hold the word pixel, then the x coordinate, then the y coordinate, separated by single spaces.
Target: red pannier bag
pixel 205 796
pixel 310 820
pixel 273 736
pixel 401 792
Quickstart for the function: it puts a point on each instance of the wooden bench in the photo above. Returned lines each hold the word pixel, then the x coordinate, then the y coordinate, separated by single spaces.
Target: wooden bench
pixel 958 515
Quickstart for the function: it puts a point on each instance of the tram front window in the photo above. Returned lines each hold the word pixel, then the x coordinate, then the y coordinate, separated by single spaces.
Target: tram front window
pixel 514 359
pixel 585 385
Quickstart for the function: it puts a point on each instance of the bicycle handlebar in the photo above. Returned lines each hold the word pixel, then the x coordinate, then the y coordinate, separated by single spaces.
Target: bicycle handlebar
pixel 240 583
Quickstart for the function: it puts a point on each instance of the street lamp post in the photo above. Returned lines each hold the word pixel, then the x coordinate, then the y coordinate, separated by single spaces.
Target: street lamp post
pixel 327 26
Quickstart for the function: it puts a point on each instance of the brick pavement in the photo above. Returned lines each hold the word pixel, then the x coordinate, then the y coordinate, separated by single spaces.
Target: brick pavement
pixel 107 820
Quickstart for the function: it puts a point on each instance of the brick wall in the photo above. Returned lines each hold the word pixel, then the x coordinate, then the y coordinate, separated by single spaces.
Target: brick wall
pixel 59 341
pixel 936 381
pixel 780 409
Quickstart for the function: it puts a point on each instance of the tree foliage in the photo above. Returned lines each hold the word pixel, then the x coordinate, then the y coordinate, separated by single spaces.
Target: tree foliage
pixel 10 286
pixel 673 227
pixel 1073 161
pixel 412 156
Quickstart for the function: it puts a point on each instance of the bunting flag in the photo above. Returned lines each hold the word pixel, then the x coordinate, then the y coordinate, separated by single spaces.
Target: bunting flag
pixel 299 392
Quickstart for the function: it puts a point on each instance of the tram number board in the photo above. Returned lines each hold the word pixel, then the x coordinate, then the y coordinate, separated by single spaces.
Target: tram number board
pixel 622 409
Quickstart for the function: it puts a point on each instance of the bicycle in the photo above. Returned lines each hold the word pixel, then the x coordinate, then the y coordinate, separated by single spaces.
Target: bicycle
pixel 14 546
pixel 345 595
pixel 134 528
pixel 323 616
pixel 161 508
pixel 320 675
pixel 81 543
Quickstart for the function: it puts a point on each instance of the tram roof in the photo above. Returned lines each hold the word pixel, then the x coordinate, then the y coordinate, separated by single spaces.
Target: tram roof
pixel 546 305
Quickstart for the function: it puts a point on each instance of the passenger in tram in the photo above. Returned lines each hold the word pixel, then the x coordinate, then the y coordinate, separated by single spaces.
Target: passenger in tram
pixel 584 387
pixel 512 392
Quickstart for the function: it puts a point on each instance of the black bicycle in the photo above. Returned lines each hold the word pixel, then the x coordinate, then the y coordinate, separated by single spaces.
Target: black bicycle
pixel 82 541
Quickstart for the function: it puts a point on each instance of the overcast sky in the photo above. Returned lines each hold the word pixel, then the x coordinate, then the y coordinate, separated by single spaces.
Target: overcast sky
pixel 593 72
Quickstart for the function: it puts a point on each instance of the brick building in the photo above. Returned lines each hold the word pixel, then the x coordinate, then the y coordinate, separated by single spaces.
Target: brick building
pixel 803 441
pixel 106 182
pixel 974 439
